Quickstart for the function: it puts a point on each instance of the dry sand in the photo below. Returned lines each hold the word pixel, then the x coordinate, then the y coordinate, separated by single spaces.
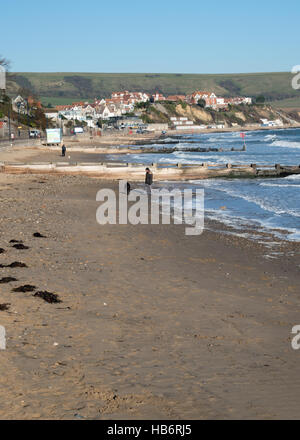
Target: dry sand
pixel 153 324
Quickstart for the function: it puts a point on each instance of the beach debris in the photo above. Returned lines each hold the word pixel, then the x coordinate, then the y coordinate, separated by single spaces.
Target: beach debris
pixel 25 288
pixel 16 264
pixel 4 306
pixel 7 280
pixel 223 208
pixel 78 416
pixel 55 344
pixel 20 246
pixel 48 296
pixel 38 235
pixel 13 265
pixel 16 241
pixel 2 251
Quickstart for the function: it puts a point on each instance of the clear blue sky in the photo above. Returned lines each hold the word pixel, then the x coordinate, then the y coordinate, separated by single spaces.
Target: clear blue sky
pixel 187 36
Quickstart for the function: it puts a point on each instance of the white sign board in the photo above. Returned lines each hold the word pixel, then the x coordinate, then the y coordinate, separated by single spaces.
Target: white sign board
pixel 53 135
pixel 78 130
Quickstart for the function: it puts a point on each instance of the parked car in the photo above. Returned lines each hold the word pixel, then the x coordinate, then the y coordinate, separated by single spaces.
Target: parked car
pixel 34 133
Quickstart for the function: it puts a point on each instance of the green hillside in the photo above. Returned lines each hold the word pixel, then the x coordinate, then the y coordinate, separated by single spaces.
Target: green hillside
pixel 65 87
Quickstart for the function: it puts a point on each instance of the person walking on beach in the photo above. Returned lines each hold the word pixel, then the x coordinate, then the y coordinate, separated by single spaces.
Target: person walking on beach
pixel 148 178
pixel 63 150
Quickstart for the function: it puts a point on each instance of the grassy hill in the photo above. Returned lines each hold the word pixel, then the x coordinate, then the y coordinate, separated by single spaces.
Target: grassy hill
pixel 62 88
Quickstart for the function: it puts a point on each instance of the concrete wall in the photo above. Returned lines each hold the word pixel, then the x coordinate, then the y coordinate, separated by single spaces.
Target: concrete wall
pixel 157 127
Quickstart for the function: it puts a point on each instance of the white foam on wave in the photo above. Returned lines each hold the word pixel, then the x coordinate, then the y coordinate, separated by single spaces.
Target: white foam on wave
pixel 240 223
pixel 263 203
pixel 186 145
pixel 292 177
pixel 169 140
pixel 175 160
pixel 285 144
pixel 283 185
pixel 198 157
pixel 270 137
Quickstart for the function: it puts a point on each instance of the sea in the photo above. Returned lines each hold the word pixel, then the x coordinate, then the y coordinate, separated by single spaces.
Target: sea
pixel 253 208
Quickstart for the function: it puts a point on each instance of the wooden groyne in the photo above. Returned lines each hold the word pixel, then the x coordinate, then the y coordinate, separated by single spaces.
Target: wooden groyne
pixel 136 172
pixel 169 150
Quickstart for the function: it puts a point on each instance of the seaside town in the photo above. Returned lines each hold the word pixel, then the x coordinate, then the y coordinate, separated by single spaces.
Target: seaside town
pixel 137 112
pixel 125 103
pixel 122 106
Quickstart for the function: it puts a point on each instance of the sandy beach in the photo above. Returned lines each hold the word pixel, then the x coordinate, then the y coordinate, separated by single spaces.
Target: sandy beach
pixel 152 323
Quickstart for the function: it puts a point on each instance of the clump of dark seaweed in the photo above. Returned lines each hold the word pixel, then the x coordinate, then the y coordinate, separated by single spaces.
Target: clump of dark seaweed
pixel 16 264
pixel 13 265
pixel 16 241
pixel 2 251
pixel 48 297
pixel 4 306
pixel 7 280
pixel 38 235
pixel 25 288
pixel 20 246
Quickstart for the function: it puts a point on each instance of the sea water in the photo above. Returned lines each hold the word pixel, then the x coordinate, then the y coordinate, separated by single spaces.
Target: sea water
pixel 264 204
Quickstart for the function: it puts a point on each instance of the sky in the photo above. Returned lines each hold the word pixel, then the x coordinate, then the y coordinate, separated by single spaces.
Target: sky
pixel 163 36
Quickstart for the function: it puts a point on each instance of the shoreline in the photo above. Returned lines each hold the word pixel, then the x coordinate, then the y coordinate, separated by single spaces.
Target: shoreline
pixel 39 155
pixel 110 141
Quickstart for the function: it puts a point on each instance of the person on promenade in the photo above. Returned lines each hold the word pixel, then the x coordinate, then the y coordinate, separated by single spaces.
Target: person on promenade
pixel 63 150
pixel 148 178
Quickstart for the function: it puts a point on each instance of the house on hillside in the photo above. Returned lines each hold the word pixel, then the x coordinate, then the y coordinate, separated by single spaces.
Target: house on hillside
pixel 52 115
pixel 176 98
pixel 107 111
pixel 19 105
pixel 209 97
pixel 158 97
pixel 133 97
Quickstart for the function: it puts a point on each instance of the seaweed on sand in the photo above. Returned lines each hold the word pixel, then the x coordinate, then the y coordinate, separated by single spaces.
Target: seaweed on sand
pixel 14 265
pixel 7 280
pixel 20 246
pixel 48 297
pixel 4 306
pixel 25 288
pixel 38 235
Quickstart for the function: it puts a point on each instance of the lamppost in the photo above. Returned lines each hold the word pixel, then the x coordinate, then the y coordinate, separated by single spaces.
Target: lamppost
pixel 9 126
pixel 28 118
pixel 18 105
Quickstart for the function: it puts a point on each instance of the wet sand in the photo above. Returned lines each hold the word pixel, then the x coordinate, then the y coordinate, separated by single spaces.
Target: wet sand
pixel 152 324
